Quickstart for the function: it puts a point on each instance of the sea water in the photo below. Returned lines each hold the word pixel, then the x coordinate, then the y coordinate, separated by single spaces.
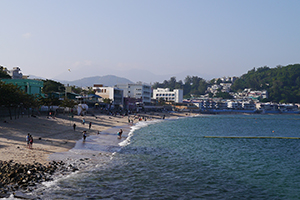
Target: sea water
pixel 170 159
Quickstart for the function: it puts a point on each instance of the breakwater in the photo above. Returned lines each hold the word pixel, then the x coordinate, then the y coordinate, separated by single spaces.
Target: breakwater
pixel 26 177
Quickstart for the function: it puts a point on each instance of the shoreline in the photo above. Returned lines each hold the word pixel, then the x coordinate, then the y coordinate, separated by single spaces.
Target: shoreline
pixel 54 135
pixel 58 149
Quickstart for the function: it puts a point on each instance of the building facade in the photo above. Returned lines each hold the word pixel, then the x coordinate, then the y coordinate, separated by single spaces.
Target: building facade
pixel 27 85
pixel 136 90
pixel 176 95
pixel 112 93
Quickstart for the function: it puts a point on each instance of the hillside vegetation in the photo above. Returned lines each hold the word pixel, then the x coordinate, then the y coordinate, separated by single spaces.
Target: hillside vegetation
pixel 282 83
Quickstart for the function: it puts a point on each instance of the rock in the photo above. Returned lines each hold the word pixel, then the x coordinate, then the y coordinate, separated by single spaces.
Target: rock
pixel 21 195
pixel 20 177
pixel 4 195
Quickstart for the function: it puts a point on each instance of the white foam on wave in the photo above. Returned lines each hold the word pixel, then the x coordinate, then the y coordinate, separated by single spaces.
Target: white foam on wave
pixel 137 126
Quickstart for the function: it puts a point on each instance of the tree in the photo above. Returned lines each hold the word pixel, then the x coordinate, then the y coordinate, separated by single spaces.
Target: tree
pixel 12 97
pixel 161 101
pixel 282 82
pixel 50 101
pixel 107 100
pixel 52 86
pixel 3 74
pixel 68 103
pixel 76 90
pixel 224 95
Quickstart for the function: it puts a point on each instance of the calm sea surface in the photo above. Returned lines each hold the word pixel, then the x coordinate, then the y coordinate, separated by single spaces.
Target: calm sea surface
pixel 171 160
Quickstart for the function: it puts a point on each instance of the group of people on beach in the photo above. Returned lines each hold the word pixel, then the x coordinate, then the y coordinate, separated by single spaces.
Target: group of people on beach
pixel 84 133
pixel 29 140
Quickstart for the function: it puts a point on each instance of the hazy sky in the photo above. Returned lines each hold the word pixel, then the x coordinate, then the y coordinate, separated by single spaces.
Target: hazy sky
pixel 209 38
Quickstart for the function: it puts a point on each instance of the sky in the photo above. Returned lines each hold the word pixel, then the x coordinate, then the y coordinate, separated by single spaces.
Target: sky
pixel 147 39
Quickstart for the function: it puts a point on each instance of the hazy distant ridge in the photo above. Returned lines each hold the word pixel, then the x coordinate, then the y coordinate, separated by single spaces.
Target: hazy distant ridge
pixel 108 80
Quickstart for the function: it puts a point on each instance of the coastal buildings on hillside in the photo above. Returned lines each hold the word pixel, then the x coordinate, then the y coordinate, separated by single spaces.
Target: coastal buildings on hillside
pixel 240 106
pixel 137 96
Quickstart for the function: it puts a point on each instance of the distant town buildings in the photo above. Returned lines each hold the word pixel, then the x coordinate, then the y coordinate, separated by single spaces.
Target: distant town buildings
pixel 137 96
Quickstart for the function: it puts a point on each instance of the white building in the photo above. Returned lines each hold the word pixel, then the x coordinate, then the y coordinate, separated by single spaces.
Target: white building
pixel 258 94
pixel 136 90
pixel 15 73
pixel 248 105
pixel 214 88
pixel 234 105
pixel 112 93
pixel 176 95
pixel 225 87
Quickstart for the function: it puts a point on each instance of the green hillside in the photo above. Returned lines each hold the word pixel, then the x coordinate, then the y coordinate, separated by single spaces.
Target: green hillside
pixel 282 82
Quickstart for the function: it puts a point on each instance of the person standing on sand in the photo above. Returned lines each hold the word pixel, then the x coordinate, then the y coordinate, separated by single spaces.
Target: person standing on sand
pixel 90 125
pixel 27 139
pixel 30 141
pixel 120 134
pixel 84 135
pixel 74 126
pixel 83 121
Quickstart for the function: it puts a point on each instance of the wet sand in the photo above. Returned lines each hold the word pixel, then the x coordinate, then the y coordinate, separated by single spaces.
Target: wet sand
pixel 52 135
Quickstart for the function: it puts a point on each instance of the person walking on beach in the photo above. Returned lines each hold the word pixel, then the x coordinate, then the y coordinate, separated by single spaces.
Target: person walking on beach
pixel 84 135
pixel 90 125
pixel 74 126
pixel 83 121
pixel 27 139
pixel 30 141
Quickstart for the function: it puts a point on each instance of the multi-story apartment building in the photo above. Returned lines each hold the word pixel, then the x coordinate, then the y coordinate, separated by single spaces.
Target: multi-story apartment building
pixel 136 90
pixel 112 93
pixel 176 95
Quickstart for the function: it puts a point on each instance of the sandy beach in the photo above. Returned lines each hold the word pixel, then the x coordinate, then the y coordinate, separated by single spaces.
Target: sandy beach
pixel 53 135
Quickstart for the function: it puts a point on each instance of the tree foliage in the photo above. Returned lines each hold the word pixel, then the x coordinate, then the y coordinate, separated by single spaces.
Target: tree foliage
pixel 224 95
pixel 52 86
pixel 107 100
pixel 282 83
pixel 68 103
pixel 13 97
pixel 192 85
pixel 3 73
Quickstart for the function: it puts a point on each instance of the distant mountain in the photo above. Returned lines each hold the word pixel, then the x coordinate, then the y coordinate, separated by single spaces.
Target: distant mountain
pixel 146 76
pixel 135 75
pixel 108 80
pixel 35 77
